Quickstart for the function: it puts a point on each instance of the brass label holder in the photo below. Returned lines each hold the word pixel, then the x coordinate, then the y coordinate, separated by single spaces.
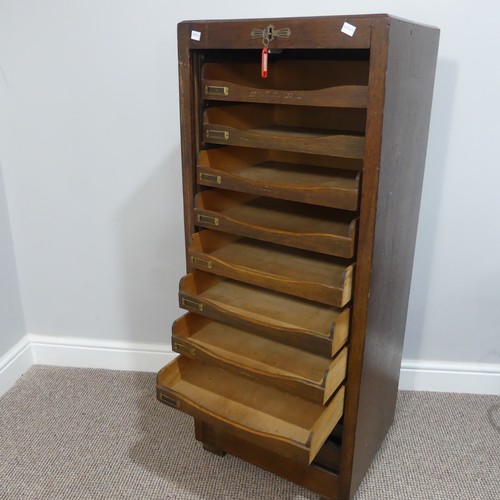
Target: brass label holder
pixel 169 401
pixel 191 304
pixel 207 219
pixel 184 349
pixel 216 90
pixel 218 134
pixel 210 178
pixel 207 264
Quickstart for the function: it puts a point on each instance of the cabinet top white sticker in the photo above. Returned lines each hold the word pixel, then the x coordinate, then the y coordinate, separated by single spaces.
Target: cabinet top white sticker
pixel 195 35
pixel 348 29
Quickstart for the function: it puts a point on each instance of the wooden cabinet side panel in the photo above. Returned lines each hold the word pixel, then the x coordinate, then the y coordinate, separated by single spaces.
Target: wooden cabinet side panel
pixel 189 131
pixel 371 168
pixel 411 66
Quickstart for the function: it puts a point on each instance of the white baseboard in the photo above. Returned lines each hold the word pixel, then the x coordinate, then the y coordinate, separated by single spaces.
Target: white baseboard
pixel 133 356
pixel 93 353
pixel 443 376
pixel 14 363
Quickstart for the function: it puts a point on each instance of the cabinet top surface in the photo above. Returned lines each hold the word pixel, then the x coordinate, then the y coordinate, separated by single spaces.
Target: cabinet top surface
pixel 311 19
pixel 305 18
pixel 346 31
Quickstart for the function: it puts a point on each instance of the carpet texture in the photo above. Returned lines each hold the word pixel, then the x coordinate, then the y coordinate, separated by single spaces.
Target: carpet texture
pixel 95 434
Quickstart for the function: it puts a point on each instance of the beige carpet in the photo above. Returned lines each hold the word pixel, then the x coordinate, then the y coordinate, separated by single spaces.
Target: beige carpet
pixel 96 434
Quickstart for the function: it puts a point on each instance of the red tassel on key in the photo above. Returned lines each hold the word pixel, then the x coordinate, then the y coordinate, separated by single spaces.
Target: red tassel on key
pixel 265 58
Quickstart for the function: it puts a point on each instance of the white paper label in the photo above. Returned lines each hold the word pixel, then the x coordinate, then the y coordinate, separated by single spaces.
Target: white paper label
pixel 348 29
pixel 196 35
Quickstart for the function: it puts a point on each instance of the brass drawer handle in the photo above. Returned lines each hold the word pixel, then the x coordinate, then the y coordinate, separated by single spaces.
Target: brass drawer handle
pixel 201 262
pixel 217 134
pixel 181 348
pixel 216 90
pixel 169 401
pixel 192 303
pixel 207 219
pixel 210 178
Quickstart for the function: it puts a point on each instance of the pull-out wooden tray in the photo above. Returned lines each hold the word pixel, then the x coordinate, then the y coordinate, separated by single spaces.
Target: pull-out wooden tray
pixel 285 424
pixel 278 175
pixel 288 368
pixel 311 326
pixel 301 273
pixel 288 128
pixel 337 83
pixel 309 227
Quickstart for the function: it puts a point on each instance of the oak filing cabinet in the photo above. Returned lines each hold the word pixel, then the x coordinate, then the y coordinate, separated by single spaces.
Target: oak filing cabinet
pixel 303 150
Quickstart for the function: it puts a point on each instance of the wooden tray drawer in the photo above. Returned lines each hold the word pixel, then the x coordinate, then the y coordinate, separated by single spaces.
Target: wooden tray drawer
pixel 283 423
pixel 301 323
pixel 240 351
pixel 297 177
pixel 309 227
pixel 335 83
pixel 288 128
pixel 309 275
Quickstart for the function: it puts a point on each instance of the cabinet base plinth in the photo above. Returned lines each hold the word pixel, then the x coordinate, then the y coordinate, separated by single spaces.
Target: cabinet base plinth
pixel 312 477
pixel 214 450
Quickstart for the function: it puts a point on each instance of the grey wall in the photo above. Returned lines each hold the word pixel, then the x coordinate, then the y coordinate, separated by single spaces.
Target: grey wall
pixel 12 327
pixel 89 140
